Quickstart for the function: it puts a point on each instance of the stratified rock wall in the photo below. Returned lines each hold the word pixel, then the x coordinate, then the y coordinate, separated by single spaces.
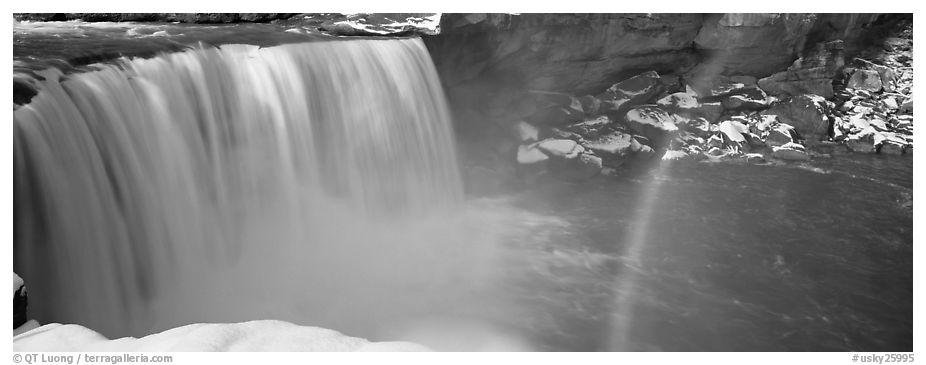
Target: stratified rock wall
pixel 586 53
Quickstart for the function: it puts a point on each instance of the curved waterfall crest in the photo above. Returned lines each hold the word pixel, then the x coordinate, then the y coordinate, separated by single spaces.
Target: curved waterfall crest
pixel 127 175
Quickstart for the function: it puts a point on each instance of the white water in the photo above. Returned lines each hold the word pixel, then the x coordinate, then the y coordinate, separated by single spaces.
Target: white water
pixel 315 183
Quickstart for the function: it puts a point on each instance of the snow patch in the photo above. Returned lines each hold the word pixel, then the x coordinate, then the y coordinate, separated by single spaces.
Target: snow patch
pixel 262 335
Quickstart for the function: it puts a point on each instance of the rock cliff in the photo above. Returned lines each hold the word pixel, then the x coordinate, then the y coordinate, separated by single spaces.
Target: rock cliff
pixel 586 53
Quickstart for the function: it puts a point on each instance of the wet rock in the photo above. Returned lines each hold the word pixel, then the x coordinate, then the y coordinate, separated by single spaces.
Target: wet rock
pixel 779 135
pixel 790 152
pixel 807 113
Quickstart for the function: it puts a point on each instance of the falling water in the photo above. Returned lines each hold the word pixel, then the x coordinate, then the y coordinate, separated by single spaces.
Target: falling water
pixel 162 191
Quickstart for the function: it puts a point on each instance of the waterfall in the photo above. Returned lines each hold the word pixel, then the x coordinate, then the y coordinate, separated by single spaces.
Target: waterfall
pixel 147 190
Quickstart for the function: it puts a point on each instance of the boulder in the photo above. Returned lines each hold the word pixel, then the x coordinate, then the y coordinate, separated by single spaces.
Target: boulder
pixel 637 90
pixel 560 148
pixel 678 101
pixel 865 80
pixel 652 122
pixel 531 155
pixel 614 143
pixel 885 74
pixel 779 85
pixel 863 141
pixel 807 113
pixel 590 164
pixel 733 131
pixel 746 99
pixel 590 128
pixel 779 135
pixel 686 104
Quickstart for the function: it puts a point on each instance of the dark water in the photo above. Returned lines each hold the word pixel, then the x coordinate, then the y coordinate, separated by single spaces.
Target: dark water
pixel 718 257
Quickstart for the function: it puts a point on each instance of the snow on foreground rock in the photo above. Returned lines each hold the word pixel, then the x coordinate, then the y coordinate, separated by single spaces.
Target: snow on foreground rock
pixel 263 335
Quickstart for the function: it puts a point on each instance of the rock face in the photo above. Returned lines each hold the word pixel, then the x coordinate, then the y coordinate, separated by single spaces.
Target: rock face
pixel 583 53
pixel 811 74
pixel 564 52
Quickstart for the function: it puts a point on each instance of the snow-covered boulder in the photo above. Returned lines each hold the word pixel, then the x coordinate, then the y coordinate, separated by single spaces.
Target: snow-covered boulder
pixel 263 335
